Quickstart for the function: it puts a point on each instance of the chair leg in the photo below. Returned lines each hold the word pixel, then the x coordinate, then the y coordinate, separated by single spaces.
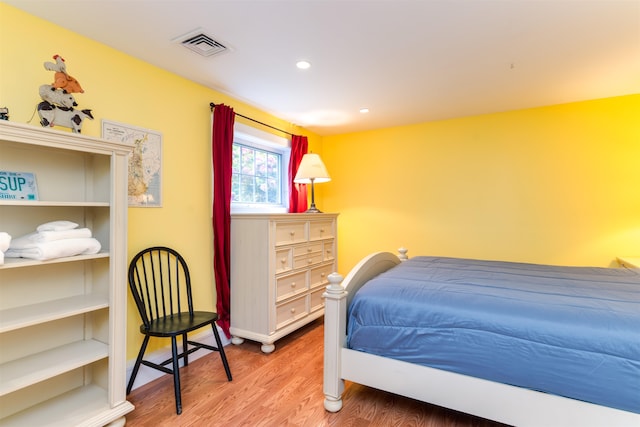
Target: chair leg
pixel 185 349
pixel 136 366
pixel 176 375
pixel 223 356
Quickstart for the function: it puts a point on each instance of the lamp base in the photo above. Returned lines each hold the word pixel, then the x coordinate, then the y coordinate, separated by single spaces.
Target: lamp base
pixel 313 209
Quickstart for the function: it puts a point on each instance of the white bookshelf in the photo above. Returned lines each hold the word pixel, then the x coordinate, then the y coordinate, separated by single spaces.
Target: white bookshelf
pixel 63 321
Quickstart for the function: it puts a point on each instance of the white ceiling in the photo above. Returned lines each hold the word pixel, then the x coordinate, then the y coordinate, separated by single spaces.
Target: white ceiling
pixel 408 61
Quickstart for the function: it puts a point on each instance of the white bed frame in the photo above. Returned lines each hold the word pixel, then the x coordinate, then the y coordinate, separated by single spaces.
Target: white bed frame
pixel 495 401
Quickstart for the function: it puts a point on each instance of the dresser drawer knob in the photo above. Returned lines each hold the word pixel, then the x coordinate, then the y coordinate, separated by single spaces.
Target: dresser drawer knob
pixel 321 274
pixel 293 284
pixel 293 310
pixel 308 249
pixel 309 261
pixel 292 233
pixel 283 261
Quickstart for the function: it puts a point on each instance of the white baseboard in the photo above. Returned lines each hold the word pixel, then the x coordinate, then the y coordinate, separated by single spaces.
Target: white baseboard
pixel 147 374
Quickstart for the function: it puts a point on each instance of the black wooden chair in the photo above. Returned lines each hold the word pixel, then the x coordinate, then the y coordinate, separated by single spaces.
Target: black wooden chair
pixel 161 286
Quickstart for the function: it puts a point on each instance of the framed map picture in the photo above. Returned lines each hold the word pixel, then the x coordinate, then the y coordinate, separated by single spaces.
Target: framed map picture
pixel 145 163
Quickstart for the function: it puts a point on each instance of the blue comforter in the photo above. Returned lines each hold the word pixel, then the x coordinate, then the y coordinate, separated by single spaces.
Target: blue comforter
pixel 570 331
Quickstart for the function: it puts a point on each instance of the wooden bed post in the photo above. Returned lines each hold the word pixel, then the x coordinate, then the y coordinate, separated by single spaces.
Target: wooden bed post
pixel 335 334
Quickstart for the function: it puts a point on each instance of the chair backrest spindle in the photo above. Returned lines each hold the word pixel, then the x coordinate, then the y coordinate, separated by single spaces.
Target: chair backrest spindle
pixel 177 284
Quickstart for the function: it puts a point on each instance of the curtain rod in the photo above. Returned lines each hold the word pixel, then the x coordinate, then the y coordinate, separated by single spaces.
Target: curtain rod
pixel 212 105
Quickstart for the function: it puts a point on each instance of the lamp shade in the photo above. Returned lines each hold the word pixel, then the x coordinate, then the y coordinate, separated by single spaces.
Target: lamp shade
pixel 311 170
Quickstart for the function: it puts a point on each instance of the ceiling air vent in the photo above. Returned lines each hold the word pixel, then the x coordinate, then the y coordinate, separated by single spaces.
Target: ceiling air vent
pixel 204 45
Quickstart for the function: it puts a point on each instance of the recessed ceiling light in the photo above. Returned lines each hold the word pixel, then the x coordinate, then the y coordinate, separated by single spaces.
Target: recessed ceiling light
pixel 303 65
pixel 364 110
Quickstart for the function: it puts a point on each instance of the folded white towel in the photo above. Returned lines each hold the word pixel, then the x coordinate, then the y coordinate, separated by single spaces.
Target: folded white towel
pixel 57 226
pixel 5 241
pixel 31 239
pixel 57 249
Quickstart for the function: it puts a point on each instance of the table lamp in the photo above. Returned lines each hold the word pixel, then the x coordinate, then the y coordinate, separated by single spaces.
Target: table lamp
pixel 310 171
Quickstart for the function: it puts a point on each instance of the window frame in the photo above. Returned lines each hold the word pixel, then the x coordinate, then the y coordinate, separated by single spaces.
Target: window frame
pixel 255 138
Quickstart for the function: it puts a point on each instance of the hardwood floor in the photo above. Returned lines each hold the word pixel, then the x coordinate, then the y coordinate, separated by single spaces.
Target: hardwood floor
pixel 281 389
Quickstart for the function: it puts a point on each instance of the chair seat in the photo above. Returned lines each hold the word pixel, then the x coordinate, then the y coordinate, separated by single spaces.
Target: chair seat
pixel 178 323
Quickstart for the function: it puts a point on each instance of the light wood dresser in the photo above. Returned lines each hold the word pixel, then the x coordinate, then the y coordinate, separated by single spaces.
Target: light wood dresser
pixel 279 269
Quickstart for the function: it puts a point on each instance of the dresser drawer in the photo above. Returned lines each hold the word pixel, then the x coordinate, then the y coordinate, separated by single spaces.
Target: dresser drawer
pixel 319 275
pixel 291 311
pixel 291 284
pixel 329 250
pixel 307 249
pixel 284 260
pixel 308 260
pixel 320 230
pixel 290 232
pixel 317 300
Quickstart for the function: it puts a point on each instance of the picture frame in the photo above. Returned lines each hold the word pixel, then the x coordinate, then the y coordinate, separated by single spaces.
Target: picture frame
pixel 144 183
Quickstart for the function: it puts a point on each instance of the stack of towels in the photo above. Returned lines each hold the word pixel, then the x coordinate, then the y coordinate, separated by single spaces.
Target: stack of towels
pixel 54 239
pixel 5 240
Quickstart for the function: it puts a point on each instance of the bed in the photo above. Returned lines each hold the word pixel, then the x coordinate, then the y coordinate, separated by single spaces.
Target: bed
pixel 541 363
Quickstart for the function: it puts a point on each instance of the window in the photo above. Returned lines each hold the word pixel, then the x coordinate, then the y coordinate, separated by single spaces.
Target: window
pixel 259 181
pixel 256 175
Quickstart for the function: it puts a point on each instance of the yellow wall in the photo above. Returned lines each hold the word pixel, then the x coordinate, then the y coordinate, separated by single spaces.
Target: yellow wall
pixel 558 185
pixel 124 89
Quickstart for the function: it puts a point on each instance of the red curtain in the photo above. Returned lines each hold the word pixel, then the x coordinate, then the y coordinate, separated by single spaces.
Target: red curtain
pixel 221 148
pixel 297 192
